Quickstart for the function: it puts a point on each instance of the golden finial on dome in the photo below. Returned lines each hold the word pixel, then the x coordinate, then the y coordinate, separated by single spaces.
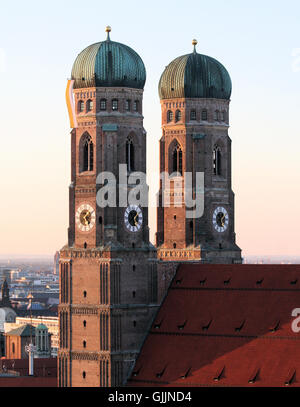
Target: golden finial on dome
pixel 108 30
pixel 194 42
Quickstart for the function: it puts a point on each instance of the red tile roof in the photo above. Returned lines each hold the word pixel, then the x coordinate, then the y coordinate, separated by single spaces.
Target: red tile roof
pixel 45 372
pixel 224 325
pixel 28 381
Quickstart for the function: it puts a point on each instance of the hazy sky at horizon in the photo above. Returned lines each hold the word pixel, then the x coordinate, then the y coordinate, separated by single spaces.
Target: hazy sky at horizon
pixel 258 43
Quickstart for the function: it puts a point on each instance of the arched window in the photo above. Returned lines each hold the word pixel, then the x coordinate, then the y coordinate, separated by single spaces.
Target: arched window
pixel 169 116
pixel 204 114
pixel 80 107
pixel 114 104
pixel 103 104
pixel 177 115
pixel 217 115
pixel 87 153
pixel 130 155
pixel 177 159
pixel 127 105
pixel 136 106
pixel 223 117
pixel 217 165
pixel 193 115
pixel 89 105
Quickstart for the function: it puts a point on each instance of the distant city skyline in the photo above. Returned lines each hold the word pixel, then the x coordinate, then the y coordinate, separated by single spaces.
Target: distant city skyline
pixel 259 44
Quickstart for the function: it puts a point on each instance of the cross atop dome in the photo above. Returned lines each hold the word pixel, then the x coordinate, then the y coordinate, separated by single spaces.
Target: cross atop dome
pixel 108 30
pixel 194 43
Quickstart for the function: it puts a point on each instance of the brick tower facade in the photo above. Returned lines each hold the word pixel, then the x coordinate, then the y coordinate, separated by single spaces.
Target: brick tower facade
pixel 108 269
pixel 194 92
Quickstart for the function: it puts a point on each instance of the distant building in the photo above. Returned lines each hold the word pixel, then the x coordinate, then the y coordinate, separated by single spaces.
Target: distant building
pixel 18 338
pixel 42 341
pixel 7 314
pixel 8 274
pixel 5 300
pixel 56 264
pixel 50 322
pixel 16 341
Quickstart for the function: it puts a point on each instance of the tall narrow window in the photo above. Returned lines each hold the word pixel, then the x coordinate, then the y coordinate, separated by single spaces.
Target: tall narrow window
pixel 193 115
pixel 80 106
pixel 114 104
pixel 223 117
pixel 217 161
pixel 130 155
pixel 127 105
pixel 177 115
pixel 103 104
pixel 89 105
pixel 204 114
pixel 169 116
pixel 87 154
pixel 217 115
pixel 177 160
pixel 136 106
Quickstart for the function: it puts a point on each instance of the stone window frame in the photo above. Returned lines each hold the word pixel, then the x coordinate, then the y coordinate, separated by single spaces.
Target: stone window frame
pixel 136 104
pixel 170 116
pixel 204 115
pixel 103 104
pixel 80 106
pixel 130 154
pixel 178 116
pixel 127 105
pixel 115 105
pixel 217 160
pixel 89 105
pixel 193 114
pixel 86 153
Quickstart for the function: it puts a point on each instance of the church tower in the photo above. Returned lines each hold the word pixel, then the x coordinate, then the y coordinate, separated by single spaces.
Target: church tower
pixel 108 269
pixel 5 300
pixel 195 91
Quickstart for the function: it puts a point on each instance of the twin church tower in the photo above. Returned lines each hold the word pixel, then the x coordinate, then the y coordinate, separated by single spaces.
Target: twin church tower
pixel 110 273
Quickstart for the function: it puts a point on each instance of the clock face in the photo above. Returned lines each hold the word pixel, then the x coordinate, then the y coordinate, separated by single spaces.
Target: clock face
pixel 220 219
pixel 133 218
pixel 85 217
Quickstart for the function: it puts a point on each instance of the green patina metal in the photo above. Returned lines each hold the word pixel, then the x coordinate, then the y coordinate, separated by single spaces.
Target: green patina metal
pixel 41 327
pixel 198 136
pixel 110 127
pixel 195 76
pixel 109 64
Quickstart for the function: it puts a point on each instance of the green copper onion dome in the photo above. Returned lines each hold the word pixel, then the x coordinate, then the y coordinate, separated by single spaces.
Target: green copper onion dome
pixel 195 76
pixel 109 64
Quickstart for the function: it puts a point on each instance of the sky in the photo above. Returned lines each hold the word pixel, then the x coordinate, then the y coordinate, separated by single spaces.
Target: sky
pixel 258 43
